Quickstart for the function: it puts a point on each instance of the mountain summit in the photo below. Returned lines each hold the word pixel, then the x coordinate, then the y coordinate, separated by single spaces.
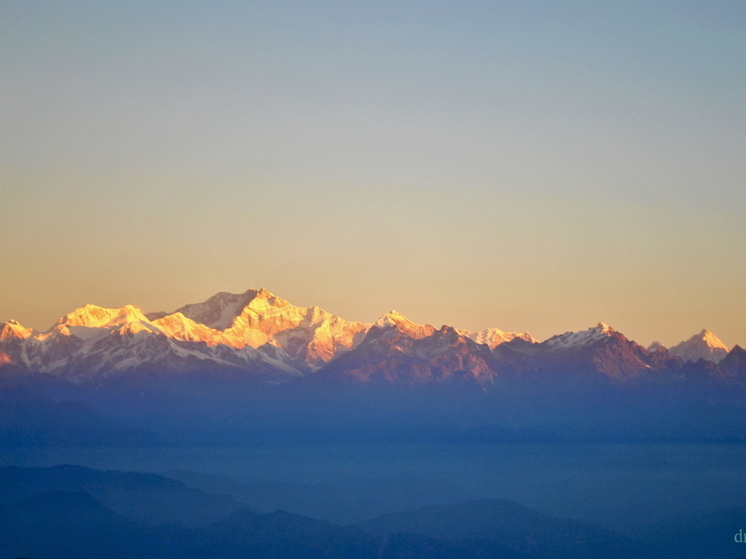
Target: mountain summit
pixel 578 339
pixel 704 345
pixel 493 337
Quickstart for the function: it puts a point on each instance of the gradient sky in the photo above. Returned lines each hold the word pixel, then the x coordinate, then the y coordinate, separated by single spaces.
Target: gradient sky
pixel 535 166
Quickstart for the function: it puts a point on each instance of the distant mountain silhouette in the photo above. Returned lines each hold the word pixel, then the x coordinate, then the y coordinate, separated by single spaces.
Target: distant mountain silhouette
pixel 511 525
pixel 68 525
pixel 146 498
pixel 72 524
pixel 343 501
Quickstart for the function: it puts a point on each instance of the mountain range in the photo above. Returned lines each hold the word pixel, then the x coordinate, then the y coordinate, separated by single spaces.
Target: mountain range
pixel 254 369
pixel 261 333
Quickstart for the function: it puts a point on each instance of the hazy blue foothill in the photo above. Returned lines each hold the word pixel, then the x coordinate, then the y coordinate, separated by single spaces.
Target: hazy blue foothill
pixel 343 501
pixel 615 485
pixel 50 512
pixel 138 497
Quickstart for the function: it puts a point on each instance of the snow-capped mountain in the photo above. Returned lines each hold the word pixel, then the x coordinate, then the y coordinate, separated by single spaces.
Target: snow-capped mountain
pixel 493 337
pixel 597 350
pixel 570 340
pixel 394 323
pixel 704 345
pixel 254 330
pixel 94 341
pixel 309 335
pixel 395 349
pixel 655 346
pixel 13 330
pixel 258 332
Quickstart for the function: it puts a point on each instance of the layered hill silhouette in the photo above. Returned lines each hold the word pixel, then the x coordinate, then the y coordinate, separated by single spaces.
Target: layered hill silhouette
pixel 52 513
pixel 144 498
pixel 512 526
pixel 340 501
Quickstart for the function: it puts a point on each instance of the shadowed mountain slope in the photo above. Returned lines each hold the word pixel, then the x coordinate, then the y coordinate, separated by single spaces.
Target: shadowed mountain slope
pixel 144 498
pixel 511 525
pixel 69 524
pixel 343 501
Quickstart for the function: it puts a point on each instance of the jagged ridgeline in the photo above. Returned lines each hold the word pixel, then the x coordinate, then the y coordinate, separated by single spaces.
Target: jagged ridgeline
pixel 254 331
pixel 276 366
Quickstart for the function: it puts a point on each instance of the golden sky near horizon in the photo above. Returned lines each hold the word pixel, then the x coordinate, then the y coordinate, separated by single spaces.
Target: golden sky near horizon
pixel 546 266
pixel 533 169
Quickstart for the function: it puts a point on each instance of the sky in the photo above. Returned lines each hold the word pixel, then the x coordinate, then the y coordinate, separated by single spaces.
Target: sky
pixel 532 166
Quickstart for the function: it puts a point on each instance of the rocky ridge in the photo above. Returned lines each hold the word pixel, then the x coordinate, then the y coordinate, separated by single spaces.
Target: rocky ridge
pixel 259 332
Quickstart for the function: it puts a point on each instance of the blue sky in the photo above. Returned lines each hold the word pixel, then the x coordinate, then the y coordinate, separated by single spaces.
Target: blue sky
pixel 532 166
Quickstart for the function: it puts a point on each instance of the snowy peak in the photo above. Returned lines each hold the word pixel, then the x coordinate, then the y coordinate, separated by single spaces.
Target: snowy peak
pixel 13 330
pixel 579 339
pixel 604 329
pixel 655 346
pixel 271 314
pixel 220 310
pixel 320 337
pixel 704 345
pixel 392 318
pixel 493 337
pixel 91 316
pixel 309 335
pixel 179 327
pixel 712 340
pixel 397 320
